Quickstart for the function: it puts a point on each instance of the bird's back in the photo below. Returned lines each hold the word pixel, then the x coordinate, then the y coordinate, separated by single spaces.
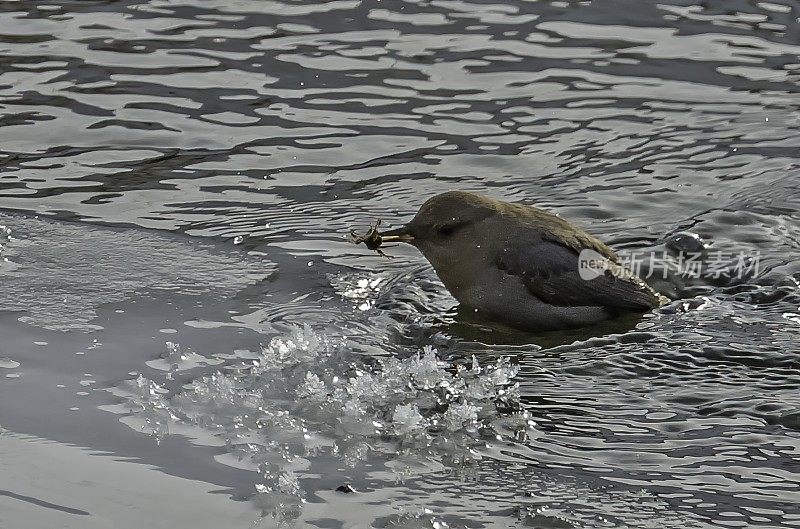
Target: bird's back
pixel 544 250
pixel 553 228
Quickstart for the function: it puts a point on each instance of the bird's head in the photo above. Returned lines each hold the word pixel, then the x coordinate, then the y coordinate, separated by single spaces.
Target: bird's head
pixel 446 226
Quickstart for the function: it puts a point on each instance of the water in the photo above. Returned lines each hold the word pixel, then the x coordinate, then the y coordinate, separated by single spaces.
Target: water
pixel 178 180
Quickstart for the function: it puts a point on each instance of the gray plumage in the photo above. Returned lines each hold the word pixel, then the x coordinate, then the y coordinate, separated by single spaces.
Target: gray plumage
pixel 519 265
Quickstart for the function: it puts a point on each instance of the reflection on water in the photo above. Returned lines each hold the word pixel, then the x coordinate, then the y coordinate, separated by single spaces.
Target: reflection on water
pixel 266 130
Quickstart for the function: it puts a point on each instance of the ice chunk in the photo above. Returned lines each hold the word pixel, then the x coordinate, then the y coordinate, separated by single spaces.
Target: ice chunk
pixel 8 363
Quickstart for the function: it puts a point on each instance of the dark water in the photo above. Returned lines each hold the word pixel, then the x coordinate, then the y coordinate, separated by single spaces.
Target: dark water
pixel 187 171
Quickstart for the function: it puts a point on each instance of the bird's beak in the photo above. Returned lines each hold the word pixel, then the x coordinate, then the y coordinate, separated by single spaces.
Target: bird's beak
pixel 397 235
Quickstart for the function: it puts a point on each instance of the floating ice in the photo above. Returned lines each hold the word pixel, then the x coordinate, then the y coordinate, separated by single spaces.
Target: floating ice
pixel 306 394
pixel 47 262
pixel 8 363
pixel 175 359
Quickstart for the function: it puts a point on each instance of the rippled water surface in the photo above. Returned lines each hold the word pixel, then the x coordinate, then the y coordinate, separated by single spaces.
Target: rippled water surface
pixel 188 339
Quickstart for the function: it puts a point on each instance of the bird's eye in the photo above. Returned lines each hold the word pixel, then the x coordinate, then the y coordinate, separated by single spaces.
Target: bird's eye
pixel 446 230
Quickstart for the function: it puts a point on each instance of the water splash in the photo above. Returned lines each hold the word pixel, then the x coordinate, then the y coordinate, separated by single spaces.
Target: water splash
pixel 5 240
pixel 148 403
pixel 423 519
pixel 306 395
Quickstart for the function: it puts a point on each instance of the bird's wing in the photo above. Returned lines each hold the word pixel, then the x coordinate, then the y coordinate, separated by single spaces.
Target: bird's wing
pixel 550 271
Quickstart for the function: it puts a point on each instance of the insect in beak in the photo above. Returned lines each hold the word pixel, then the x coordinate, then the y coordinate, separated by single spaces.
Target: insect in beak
pixel 374 239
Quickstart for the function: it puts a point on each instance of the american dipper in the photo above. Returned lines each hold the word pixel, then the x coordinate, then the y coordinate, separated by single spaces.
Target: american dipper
pixel 518 264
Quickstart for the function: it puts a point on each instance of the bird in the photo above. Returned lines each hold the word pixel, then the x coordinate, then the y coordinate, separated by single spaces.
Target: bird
pixel 520 265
